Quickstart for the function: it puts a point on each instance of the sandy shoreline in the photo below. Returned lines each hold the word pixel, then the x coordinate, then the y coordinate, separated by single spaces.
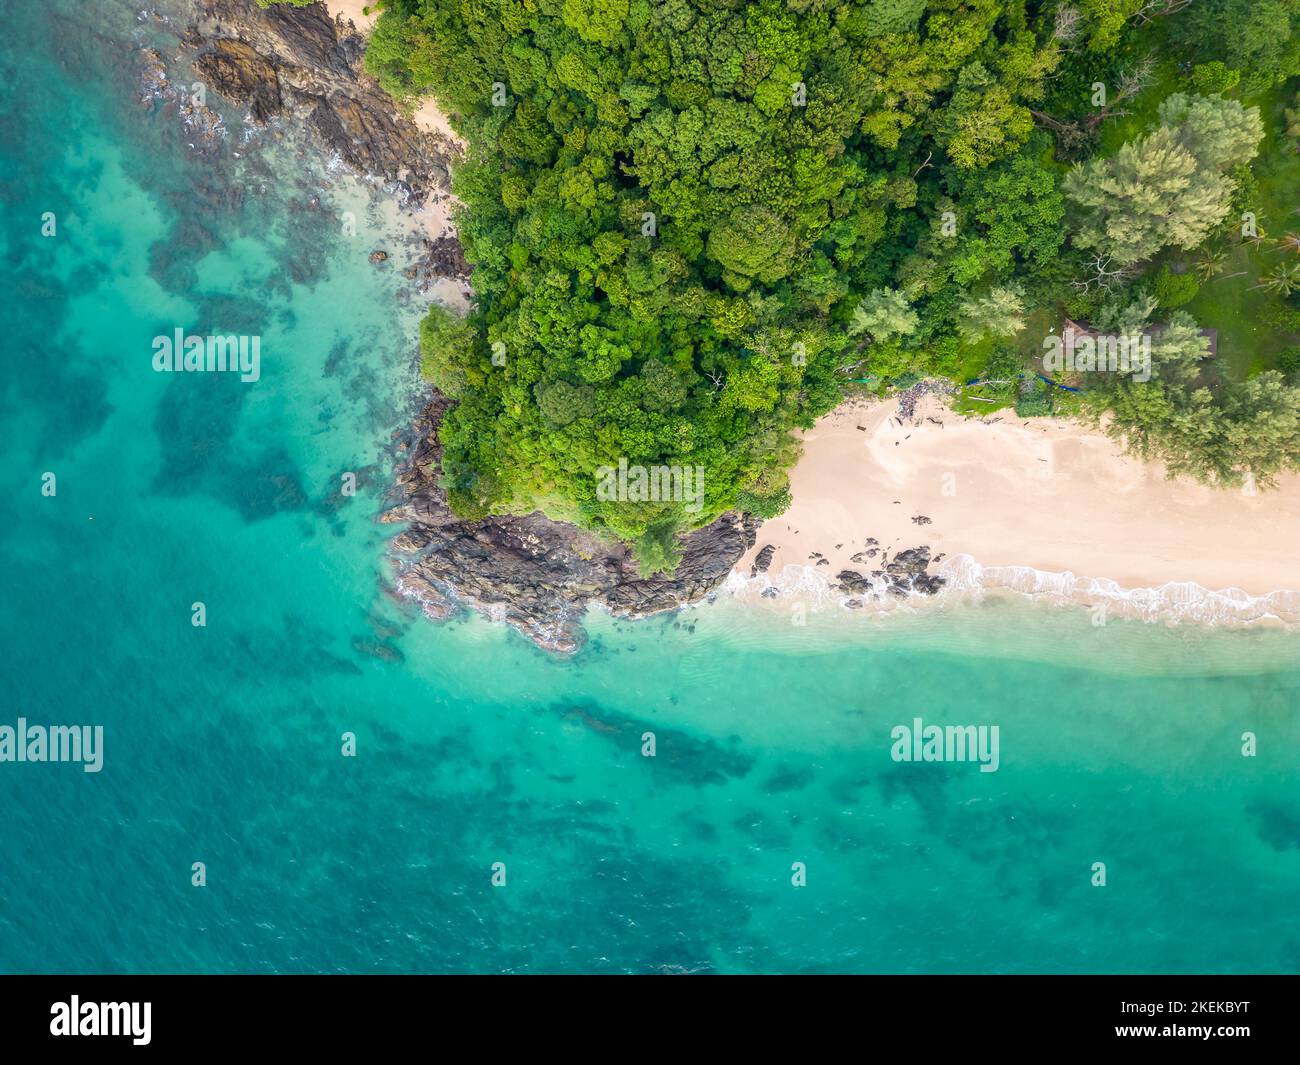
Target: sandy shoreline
pixel 435 215
pixel 363 14
pixel 1049 508
pixel 354 11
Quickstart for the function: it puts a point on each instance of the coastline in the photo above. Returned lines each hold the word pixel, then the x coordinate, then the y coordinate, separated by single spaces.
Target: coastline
pixel 355 12
pixel 264 65
pixel 347 771
pixel 1049 509
pixel 435 213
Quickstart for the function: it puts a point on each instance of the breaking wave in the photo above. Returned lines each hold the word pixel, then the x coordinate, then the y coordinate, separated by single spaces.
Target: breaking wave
pixel 967 580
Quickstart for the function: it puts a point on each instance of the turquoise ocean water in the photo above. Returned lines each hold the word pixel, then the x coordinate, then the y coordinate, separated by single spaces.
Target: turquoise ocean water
pixel 1119 744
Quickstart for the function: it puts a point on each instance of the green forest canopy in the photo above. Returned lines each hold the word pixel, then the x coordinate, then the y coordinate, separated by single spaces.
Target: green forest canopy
pixel 693 223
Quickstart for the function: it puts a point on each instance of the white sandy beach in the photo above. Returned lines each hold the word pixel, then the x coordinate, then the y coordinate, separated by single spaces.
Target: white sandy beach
pixel 1051 508
pixel 1044 507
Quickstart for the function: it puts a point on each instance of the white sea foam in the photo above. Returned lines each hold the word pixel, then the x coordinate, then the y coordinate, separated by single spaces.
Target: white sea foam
pixel 815 590
pixel 1174 601
pixel 967 580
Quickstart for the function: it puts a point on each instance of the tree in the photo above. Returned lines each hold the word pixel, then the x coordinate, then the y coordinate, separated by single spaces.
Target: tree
pixel 753 244
pixel 998 313
pixel 1282 280
pixel 562 403
pixel 894 16
pixel 1104 21
pixel 1250 427
pixel 1214 77
pixel 1147 196
pixel 1220 133
pixel 1012 218
pixel 1257 37
pixel 882 314
pixel 1167 187
pixel 1179 349
pixel 1261 424
pixel 983 122
pixel 598 21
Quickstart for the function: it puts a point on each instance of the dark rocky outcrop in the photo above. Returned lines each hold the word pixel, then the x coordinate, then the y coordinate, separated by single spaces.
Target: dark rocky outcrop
pixel 298 62
pixel 852 581
pixel 537 575
pixel 905 573
pixel 239 73
pixel 443 257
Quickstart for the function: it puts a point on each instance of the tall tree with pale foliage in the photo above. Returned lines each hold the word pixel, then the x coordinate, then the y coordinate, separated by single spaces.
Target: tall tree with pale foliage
pixel 998 313
pixel 884 313
pixel 1167 187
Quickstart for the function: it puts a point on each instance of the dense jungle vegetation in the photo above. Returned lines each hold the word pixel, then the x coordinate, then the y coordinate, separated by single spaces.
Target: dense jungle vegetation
pixel 695 225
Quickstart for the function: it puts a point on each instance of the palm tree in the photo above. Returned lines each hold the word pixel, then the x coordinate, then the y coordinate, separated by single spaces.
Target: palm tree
pixel 1283 280
pixel 1291 242
pixel 1210 263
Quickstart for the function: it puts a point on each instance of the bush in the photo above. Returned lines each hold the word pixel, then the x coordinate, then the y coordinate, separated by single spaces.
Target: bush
pixel 1282 317
pixel 1004 364
pixel 1214 76
pixel 657 550
pixel 1035 402
pixel 1174 290
pixel 1289 361
pixel 763 506
pixel 447 351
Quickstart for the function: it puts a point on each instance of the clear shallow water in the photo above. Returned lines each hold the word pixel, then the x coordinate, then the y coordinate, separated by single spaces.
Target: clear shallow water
pixel 222 744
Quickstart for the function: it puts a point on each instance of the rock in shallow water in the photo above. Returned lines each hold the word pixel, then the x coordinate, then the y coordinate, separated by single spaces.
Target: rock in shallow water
pixel 297 61
pixel 906 572
pixel 537 575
